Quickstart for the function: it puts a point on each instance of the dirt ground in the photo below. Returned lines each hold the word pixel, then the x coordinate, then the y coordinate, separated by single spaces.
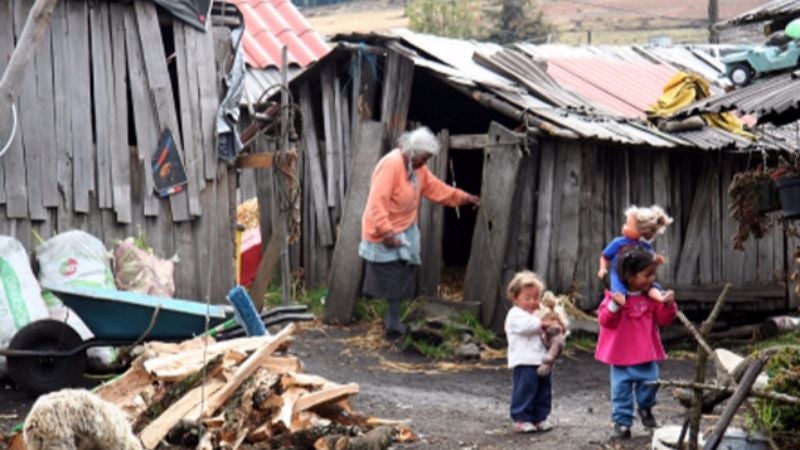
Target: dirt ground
pixel 452 410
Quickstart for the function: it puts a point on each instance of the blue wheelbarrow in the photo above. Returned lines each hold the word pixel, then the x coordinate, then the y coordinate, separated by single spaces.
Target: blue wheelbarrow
pixel 48 355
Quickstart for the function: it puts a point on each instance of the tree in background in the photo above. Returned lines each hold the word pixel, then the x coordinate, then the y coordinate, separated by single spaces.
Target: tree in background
pixel 518 20
pixel 450 18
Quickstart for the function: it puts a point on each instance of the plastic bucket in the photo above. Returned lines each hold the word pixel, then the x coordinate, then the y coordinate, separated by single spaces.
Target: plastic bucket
pixel 789 192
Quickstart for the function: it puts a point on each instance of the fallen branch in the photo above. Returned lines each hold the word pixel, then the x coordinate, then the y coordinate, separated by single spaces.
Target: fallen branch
pixel 739 397
pixel 696 412
pixel 776 396
pixel 707 348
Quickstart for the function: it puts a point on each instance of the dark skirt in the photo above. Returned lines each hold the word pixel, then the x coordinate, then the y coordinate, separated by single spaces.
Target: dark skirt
pixel 394 280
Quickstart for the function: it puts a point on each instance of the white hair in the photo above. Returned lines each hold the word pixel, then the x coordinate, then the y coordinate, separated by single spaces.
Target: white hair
pixel 419 142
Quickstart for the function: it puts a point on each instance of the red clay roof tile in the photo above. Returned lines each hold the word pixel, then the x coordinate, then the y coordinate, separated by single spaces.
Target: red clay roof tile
pixel 271 24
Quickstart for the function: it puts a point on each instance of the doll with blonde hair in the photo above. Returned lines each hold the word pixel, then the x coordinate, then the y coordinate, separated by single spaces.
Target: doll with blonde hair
pixel 642 225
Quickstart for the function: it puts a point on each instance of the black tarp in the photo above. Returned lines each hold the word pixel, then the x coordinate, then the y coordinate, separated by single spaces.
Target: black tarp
pixel 193 12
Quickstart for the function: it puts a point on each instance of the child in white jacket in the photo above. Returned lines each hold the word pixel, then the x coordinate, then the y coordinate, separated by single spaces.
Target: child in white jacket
pixel 531 394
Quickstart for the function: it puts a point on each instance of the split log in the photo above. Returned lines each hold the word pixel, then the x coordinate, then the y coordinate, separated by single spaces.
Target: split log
pixel 177 390
pixel 313 399
pixel 246 370
pixel 179 365
pixel 282 364
pixel 186 434
pixel 287 410
pixel 157 429
pixel 306 438
pixel 377 439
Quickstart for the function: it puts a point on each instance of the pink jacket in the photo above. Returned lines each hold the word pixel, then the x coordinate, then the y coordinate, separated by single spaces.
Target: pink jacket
pixel 630 335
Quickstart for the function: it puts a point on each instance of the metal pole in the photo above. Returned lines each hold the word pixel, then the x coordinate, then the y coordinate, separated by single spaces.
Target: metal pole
pixel 713 18
pixel 281 179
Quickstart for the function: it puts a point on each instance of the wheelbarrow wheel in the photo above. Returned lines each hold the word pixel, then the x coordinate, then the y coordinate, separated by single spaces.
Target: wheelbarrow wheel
pixel 40 374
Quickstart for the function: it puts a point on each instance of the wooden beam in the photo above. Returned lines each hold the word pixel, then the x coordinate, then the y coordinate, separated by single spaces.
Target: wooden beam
pixel 254 161
pixel 469 141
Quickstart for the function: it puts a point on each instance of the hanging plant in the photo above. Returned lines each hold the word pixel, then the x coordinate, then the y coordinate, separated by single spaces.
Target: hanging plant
pixel 752 195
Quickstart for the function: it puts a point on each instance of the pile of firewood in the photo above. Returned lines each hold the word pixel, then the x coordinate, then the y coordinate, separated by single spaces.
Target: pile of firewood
pixel 242 393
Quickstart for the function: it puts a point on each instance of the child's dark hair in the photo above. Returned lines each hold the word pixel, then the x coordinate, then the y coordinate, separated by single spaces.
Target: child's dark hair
pixel 633 260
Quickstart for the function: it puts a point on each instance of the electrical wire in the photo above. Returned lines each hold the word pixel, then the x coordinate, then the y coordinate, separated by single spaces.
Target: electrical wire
pixel 13 130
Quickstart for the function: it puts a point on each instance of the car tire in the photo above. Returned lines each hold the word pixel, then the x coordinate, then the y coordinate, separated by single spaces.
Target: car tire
pixel 741 75
pixel 41 374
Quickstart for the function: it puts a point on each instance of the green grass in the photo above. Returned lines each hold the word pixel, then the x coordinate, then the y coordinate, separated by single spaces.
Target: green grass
pixel 484 335
pixel 581 342
pixel 309 297
pixel 779 341
pixel 429 350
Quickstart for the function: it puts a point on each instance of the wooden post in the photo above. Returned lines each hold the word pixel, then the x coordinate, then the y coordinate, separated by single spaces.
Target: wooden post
pixel 281 180
pixel 35 28
pixel 695 414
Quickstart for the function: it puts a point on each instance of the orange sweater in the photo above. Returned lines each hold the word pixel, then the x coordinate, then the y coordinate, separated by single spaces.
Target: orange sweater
pixel 393 200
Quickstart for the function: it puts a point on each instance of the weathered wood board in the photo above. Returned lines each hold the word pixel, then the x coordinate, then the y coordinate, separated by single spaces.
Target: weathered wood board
pixel 491 236
pixel 347 266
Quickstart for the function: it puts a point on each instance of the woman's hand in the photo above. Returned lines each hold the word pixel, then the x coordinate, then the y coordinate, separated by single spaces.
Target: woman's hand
pixel 602 273
pixel 473 200
pixel 390 240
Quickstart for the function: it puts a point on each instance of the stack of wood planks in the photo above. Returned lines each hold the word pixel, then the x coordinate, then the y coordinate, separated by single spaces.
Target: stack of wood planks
pixel 241 393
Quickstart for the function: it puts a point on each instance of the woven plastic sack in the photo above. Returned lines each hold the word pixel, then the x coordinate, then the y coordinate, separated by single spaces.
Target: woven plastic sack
pixel 76 258
pixel 20 297
pixel 139 270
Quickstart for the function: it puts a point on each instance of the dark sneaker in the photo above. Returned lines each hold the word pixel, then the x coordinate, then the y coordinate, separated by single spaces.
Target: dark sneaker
pixel 622 431
pixel 648 420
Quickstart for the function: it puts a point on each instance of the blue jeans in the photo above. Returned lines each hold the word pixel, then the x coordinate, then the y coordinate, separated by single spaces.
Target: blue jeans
pixel 531 396
pixel 625 380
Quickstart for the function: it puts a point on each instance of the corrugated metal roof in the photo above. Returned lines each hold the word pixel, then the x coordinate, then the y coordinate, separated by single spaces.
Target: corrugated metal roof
pixel 258 81
pixel 585 92
pixel 623 80
pixel 271 24
pixel 771 10
pixel 775 99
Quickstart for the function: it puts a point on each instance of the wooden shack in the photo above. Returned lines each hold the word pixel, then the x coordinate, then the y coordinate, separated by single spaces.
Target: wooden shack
pixel 555 175
pixel 105 82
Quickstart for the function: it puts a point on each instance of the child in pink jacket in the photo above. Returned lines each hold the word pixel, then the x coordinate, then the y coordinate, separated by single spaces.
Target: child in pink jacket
pixel 629 340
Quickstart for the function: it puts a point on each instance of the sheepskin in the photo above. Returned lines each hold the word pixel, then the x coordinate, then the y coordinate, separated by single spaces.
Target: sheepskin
pixel 76 419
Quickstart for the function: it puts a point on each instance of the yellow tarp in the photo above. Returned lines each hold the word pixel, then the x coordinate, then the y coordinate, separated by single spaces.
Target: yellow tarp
pixel 682 90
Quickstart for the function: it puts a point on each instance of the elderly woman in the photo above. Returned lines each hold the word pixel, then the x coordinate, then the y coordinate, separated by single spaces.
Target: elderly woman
pixel 390 238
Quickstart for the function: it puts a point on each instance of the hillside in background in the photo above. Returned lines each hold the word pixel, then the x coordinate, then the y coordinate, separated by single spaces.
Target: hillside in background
pixel 610 21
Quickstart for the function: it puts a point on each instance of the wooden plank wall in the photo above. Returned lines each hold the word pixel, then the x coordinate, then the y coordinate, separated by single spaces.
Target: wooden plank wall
pixel 691 186
pixel 72 165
